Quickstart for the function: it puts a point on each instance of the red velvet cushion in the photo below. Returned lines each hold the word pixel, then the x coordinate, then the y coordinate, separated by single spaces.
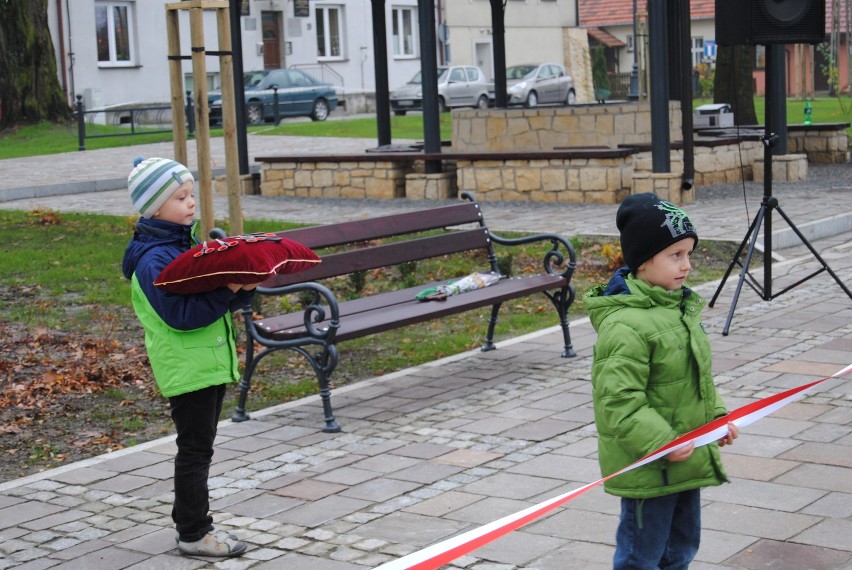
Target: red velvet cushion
pixel 244 259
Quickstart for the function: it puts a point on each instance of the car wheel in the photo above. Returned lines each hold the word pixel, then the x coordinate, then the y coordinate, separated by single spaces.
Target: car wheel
pixel 254 113
pixel 320 110
pixel 482 103
pixel 532 99
pixel 442 106
pixel 399 113
pixel 572 97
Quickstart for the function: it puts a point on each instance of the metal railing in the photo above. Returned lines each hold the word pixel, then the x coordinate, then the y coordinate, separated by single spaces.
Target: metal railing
pixel 619 85
pixel 127 121
pixel 321 72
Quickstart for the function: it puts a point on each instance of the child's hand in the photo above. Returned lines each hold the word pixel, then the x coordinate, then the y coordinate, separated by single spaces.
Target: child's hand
pixel 733 433
pixel 681 454
pixel 234 287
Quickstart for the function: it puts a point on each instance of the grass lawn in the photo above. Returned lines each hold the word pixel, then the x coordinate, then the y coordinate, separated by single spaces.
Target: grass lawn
pixel 825 110
pixel 46 138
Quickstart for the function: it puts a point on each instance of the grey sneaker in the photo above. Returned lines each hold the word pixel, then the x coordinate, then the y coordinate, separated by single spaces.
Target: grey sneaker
pixel 214 543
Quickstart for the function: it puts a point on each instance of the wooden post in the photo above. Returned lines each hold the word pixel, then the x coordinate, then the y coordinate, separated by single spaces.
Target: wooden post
pixel 176 83
pixel 229 122
pixel 202 120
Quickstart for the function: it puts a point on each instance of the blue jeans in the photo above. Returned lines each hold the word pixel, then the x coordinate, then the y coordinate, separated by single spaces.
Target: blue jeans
pixel 195 415
pixel 662 533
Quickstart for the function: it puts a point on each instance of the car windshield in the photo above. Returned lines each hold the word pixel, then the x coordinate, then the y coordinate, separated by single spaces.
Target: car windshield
pixel 520 71
pixel 418 79
pixel 254 78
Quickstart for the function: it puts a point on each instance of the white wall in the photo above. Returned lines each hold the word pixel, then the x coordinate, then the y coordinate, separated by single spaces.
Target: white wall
pixel 147 81
pixel 533 29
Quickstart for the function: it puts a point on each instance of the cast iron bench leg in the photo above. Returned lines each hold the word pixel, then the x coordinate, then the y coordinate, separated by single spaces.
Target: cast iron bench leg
pixel 562 300
pixel 492 323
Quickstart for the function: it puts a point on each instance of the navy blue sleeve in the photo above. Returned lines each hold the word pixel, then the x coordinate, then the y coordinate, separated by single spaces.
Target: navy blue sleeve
pixel 182 312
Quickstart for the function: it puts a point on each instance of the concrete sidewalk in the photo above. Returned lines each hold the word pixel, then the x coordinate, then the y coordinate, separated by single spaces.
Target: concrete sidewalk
pixel 435 450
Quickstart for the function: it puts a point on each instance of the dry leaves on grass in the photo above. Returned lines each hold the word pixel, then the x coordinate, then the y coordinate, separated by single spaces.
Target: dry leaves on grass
pixel 53 385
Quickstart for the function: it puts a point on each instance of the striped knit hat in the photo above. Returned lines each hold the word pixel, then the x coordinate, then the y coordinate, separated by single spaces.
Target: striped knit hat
pixel 152 181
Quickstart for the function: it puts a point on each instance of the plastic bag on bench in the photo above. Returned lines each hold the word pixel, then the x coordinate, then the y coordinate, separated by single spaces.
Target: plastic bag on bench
pixel 468 283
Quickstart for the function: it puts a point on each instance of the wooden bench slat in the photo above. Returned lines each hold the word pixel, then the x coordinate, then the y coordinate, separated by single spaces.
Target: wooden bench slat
pixel 386 255
pixel 317 237
pixel 269 326
pixel 390 311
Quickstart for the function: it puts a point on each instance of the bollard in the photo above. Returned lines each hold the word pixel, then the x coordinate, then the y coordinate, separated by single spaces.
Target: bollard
pixel 190 115
pixel 275 103
pixel 81 124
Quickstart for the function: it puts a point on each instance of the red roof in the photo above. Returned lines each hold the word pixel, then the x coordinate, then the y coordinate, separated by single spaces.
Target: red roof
pixel 596 13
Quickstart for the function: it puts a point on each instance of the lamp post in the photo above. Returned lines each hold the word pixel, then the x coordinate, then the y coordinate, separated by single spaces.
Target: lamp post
pixel 633 93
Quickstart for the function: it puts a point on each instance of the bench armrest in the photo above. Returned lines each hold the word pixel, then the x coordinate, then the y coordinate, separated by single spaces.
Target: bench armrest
pixel 554 260
pixel 322 308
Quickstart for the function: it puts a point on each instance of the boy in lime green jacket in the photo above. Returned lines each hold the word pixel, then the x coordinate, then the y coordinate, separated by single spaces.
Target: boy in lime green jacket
pixel 652 381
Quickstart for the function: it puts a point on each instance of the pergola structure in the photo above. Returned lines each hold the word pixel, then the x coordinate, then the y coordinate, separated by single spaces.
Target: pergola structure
pixel 669 33
pixel 670 73
pixel 429 71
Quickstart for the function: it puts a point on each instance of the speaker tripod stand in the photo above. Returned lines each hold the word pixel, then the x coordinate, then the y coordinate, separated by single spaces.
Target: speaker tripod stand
pixel 764 217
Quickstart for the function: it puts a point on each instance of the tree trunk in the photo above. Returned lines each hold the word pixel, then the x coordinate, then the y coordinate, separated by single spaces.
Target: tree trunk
pixel 29 85
pixel 734 82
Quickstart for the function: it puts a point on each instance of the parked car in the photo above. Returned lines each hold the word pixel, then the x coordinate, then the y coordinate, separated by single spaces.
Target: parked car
pixel 532 84
pixel 299 95
pixel 458 86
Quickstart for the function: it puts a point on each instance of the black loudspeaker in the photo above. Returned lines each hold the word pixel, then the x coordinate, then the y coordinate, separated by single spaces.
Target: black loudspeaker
pixel 763 22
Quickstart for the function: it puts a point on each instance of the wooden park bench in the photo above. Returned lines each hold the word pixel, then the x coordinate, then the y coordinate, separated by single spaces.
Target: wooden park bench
pixel 388 241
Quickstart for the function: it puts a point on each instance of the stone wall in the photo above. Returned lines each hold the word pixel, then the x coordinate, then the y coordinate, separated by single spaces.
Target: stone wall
pixel 547 128
pixel 312 179
pixel 583 179
pixel 592 180
pixel 823 144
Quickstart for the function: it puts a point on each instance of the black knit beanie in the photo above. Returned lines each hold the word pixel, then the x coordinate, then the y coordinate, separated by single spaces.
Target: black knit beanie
pixel 649 225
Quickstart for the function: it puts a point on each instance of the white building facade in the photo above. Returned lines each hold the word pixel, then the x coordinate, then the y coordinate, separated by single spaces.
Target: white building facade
pixel 114 52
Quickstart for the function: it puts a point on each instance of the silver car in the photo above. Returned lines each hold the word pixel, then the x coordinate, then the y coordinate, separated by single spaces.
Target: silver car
pixel 458 86
pixel 531 85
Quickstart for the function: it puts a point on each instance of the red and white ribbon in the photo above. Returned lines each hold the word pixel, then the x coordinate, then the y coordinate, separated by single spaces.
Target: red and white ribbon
pixel 444 552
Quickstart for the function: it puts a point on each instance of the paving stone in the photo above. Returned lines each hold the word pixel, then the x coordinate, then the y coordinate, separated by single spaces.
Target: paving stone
pixel 56 519
pixel 21 513
pixel 718 547
pixel 760 523
pixel 411 529
pixel 518 548
pixel 320 511
pixel 768 554
pixel 763 495
pixel 264 506
pixel 823 453
pixel 826 477
pixel 829 533
pixel 754 468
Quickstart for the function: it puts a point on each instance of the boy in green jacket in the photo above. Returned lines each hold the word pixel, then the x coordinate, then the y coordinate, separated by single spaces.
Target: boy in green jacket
pixel 189 339
pixel 652 382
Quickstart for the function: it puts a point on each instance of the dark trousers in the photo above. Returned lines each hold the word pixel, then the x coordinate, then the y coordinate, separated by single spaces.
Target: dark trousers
pixel 195 415
pixel 662 533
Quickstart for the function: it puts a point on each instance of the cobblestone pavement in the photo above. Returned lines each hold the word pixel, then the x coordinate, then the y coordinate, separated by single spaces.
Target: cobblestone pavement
pixel 432 451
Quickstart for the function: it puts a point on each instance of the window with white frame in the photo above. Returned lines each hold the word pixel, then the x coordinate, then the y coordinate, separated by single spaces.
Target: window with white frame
pixel 404 44
pixel 329 32
pixel 113 25
pixel 630 46
pixel 697 51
